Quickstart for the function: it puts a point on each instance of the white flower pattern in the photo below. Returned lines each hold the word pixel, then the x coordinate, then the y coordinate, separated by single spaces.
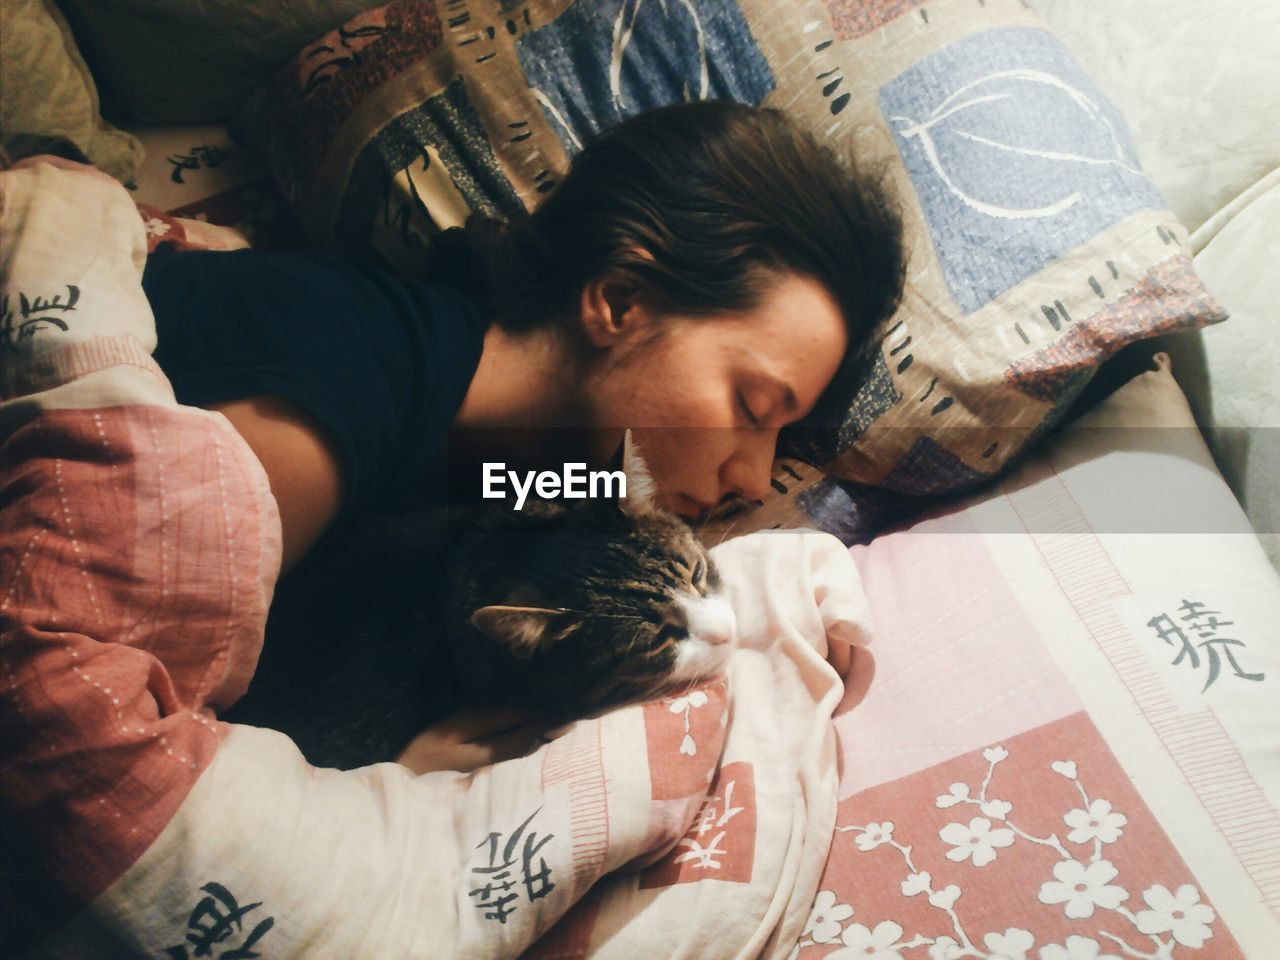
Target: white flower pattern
pixel 977 840
pixel 1083 888
pixel 1081 884
pixel 1013 944
pixel 874 835
pixel 1076 948
pixel 1180 914
pixel 1099 822
pixel 685 704
pixel 863 944
pixel 916 883
pixel 956 793
pixel 825 918
pixel 996 809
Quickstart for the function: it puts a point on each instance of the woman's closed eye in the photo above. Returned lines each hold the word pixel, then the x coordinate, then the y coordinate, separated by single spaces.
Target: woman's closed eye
pixel 746 410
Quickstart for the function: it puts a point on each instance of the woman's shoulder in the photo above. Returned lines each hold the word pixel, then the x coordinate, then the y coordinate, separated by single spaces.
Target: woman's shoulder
pixel 314 284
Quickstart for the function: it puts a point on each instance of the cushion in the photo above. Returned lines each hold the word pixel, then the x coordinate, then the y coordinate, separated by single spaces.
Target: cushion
pixel 1038 246
pixel 165 62
pixel 140 549
pixel 49 96
pixel 1065 742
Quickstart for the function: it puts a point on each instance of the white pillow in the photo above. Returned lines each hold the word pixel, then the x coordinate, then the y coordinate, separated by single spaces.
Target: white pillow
pixel 1198 83
pixel 1229 372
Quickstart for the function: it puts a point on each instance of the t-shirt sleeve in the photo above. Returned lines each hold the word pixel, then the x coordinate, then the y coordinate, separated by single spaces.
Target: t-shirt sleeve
pixel 381 361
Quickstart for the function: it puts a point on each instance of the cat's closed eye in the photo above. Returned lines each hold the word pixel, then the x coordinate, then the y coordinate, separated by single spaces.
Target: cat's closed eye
pixel 671 634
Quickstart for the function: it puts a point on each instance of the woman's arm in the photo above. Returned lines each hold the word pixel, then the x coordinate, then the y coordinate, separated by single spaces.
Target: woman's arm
pixel 301 462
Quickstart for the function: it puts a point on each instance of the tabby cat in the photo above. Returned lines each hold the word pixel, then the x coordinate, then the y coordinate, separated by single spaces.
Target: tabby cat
pixel 560 609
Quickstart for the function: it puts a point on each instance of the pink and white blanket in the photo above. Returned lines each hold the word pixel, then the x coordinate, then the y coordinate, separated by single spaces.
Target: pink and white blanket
pixel 1064 741
pixel 1063 744
pixel 139 546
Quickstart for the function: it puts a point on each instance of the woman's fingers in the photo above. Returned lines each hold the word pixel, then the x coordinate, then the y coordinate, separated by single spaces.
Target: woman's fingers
pixel 473 738
pixel 513 743
pixel 476 723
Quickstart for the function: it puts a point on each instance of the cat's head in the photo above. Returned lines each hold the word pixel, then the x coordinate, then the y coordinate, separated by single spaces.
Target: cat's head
pixel 609 603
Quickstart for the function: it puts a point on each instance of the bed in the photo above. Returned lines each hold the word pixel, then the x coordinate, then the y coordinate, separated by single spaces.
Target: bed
pixel 1010 706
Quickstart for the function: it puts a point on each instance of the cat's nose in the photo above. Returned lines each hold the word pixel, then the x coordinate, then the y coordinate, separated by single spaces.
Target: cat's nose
pixel 720 626
pixel 711 620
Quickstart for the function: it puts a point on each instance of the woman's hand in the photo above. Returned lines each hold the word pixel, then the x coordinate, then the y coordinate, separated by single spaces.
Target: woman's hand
pixel 474 738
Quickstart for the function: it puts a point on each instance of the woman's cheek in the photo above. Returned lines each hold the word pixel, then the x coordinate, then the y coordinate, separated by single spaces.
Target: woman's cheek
pixel 668 462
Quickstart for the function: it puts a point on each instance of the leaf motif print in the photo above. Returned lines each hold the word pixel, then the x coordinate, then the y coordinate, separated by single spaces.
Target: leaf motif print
pixel 624 27
pixel 1000 117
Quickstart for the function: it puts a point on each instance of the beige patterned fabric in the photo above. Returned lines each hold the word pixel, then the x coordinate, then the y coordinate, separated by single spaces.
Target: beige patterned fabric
pixel 1038 247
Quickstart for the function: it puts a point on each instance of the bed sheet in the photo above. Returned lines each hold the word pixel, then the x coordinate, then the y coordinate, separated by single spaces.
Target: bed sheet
pixel 1063 741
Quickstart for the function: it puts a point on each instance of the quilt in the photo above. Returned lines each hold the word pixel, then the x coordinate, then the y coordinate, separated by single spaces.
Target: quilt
pixel 139 548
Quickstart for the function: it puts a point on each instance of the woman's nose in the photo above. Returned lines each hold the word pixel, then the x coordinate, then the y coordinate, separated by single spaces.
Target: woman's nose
pixel 748 470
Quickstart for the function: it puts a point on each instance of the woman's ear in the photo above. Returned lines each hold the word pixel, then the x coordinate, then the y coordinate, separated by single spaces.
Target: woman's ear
pixel 613 307
pixel 611 311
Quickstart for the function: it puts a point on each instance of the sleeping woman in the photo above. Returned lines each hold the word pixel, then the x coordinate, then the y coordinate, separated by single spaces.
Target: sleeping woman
pixel 705 275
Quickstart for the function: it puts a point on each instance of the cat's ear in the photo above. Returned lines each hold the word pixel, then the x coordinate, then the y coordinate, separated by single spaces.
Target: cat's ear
pixel 522 630
pixel 642 492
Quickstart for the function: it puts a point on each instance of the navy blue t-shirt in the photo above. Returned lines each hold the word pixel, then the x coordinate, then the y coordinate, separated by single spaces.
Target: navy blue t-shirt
pixel 382 361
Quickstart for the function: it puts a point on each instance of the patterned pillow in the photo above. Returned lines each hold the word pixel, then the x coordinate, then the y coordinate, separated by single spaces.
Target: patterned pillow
pixel 1038 246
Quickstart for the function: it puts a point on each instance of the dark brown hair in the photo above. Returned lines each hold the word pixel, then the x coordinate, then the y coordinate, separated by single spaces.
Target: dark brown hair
pixel 718 195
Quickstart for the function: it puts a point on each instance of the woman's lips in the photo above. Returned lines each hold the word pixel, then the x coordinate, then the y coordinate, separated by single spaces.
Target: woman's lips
pixel 694 507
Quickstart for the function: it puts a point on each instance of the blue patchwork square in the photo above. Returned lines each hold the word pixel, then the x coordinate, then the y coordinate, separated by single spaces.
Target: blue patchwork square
pixel 601 61
pixel 1015 156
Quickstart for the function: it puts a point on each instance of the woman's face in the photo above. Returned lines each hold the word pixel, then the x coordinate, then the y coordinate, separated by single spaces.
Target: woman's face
pixel 705 398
